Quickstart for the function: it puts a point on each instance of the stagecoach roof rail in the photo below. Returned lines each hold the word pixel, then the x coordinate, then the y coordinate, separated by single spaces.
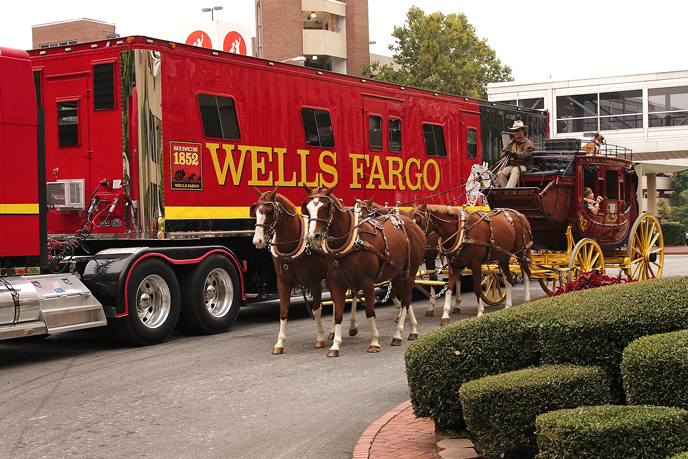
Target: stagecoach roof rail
pixel 570 145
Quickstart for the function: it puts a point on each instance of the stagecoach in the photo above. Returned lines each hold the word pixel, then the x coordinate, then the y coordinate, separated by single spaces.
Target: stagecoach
pixel 568 239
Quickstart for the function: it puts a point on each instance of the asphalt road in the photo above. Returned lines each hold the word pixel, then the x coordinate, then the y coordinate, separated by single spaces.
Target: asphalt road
pixel 221 396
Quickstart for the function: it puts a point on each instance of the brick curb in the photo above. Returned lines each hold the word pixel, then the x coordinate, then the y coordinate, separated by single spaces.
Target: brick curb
pixel 365 443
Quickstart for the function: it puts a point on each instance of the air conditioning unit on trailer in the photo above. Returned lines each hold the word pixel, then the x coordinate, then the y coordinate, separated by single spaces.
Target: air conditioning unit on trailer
pixel 67 194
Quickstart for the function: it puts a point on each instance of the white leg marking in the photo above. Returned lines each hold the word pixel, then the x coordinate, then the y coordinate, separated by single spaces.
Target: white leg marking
pixel 337 338
pixel 481 307
pixel 447 304
pixel 353 326
pixel 374 334
pixel 400 328
pixel 321 329
pixel 414 322
pixel 508 293
pixel 457 302
pixel 431 303
pixel 526 284
pixel 282 334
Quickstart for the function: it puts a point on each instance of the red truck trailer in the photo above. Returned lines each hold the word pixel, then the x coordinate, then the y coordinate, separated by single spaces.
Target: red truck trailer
pixel 152 150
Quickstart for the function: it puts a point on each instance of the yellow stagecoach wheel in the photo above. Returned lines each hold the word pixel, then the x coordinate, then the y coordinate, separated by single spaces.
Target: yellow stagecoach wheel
pixel 494 290
pixel 645 248
pixel 549 285
pixel 586 256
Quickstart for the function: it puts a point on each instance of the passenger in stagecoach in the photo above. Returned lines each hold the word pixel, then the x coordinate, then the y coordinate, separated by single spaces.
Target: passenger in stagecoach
pixel 519 150
pixel 591 203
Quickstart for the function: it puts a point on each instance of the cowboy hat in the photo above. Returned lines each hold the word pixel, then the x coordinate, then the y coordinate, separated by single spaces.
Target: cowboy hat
pixel 518 124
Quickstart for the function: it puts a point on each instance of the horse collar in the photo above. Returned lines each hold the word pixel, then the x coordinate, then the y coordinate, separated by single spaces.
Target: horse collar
pixel 300 250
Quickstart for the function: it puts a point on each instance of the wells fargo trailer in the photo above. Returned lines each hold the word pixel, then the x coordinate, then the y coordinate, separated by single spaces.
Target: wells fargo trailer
pixel 152 151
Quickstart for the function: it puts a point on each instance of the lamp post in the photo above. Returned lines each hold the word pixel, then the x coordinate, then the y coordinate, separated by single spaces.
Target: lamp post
pixel 212 11
pixel 295 59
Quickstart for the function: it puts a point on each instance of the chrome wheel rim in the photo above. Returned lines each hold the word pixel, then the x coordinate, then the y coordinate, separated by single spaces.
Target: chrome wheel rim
pixel 153 301
pixel 218 292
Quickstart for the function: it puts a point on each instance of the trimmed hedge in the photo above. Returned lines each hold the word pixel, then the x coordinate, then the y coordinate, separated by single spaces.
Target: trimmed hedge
pixel 500 410
pixel 680 456
pixel 655 370
pixel 611 432
pixel 585 328
pixel 674 233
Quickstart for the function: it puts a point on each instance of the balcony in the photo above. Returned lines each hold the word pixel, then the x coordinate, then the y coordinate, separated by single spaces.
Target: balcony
pixel 324 43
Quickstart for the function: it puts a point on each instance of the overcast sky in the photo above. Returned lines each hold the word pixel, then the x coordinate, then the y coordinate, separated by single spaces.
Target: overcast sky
pixel 538 39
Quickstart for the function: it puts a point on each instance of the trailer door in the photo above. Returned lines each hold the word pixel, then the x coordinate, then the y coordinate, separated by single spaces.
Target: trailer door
pixel 67 132
pixel 383 125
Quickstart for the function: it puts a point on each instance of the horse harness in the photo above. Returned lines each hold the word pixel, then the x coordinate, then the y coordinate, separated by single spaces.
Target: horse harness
pixel 462 239
pixel 356 242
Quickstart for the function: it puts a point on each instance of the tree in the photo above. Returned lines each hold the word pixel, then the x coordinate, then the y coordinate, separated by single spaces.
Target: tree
pixel 679 182
pixel 441 53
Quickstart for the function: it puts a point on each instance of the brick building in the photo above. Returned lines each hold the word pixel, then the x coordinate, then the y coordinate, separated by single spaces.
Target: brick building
pixel 330 34
pixel 70 32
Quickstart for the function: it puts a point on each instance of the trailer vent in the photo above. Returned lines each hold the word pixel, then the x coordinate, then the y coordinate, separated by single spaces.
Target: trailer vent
pixel 66 194
pixel 104 86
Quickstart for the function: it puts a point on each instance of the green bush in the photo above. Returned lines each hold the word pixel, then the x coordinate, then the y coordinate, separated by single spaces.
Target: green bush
pixel 498 431
pixel 437 364
pixel 585 328
pixel 674 233
pixel 680 456
pixel 593 327
pixel 655 370
pixel 612 432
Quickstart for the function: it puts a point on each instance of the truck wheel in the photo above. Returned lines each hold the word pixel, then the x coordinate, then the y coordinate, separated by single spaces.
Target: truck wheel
pixel 211 295
pixel 154 299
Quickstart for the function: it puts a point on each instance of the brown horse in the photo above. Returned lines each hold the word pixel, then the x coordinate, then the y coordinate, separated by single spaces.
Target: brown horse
pixel 473 239
pixel 361 253
pixel 369 208
pixel 295 264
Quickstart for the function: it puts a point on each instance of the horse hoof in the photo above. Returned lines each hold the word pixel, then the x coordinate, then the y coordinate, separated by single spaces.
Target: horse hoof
pixel 319 344
pixel 353 332
pixel 373 349
pixel 413 336
pixel 333 353
pixel 277 350
pixel 456 310
pixel 444 322
pixel 330 336
pixel 396 341
pixel 429 313
pixel 397 320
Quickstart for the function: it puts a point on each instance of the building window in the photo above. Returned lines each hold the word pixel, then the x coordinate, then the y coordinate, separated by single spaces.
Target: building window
pixel 434 140
pixel 218 116
pixel 375 132
pixel 54 45
pixel 394 135
pixel 600 112
pixel 103 86
pixel 317 127
pixel 68 123
pixel 668 106
pixel 537 103
pixel 472 143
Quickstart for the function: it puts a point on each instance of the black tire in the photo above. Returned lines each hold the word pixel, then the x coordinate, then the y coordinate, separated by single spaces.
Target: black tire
pixel 154 303
pixel 211 295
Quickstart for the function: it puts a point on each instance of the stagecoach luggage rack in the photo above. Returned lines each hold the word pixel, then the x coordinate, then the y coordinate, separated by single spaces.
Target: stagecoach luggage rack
pixel 559 145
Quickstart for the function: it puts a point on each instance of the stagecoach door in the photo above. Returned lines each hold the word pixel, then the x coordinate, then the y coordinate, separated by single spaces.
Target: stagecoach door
pixel 383 119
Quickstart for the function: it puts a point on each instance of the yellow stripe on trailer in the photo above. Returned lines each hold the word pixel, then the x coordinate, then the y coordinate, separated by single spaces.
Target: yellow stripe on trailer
pixel 19 209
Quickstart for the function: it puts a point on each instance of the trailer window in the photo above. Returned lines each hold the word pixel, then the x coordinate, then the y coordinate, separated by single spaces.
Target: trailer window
pixel 219 118
pixel 317 127
pixel 472 143
pixel 103 86
pixel 375 132
pixel 434 140
pixel 68 123
pixel 394 134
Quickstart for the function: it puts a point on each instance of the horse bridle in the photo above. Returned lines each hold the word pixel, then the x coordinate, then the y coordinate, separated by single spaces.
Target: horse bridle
pixel 277 208
pixel 330 210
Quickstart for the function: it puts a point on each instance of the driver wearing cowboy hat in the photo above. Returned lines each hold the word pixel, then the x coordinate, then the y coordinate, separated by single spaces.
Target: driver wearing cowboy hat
pixel 520 153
